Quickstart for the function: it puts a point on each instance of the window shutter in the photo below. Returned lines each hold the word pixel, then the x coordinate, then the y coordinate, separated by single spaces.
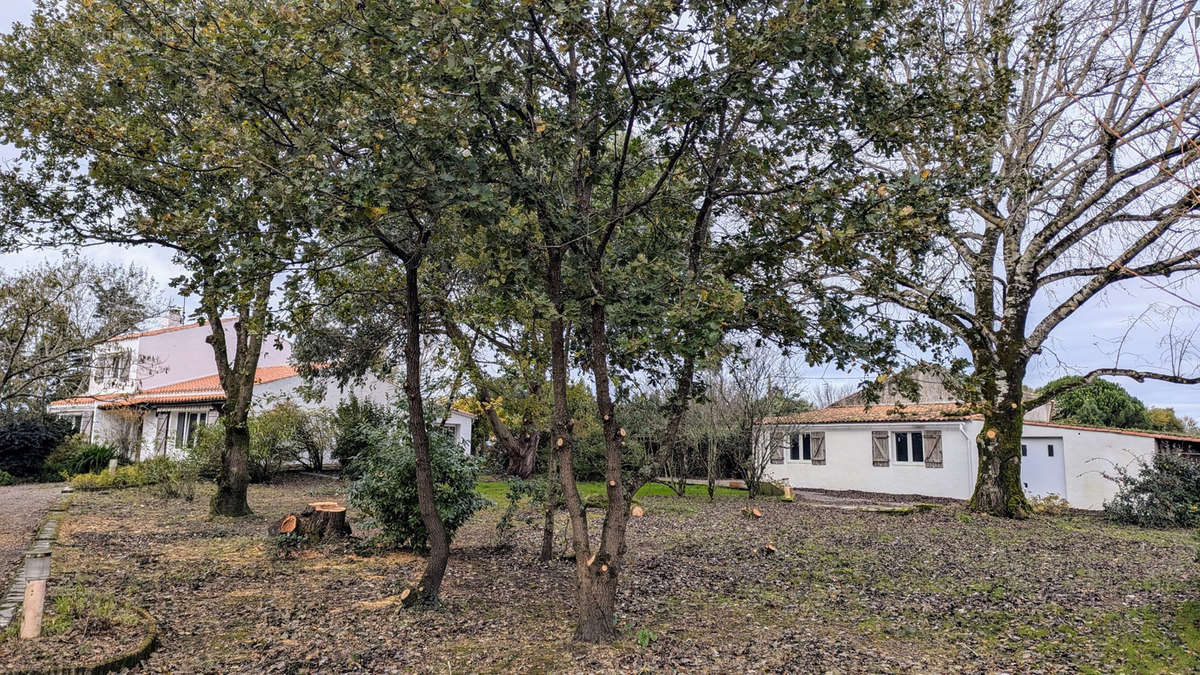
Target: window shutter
pixel 160 431
pixel 933 449
pixel 777 453
pixel 817 439
pixel 879 448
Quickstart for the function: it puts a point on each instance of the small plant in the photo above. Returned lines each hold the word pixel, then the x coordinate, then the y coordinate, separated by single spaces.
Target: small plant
pixel 518 489
pixel 286 545
pixel 645 637
pixel 85 610
pixel 1050 505
pixel 7 478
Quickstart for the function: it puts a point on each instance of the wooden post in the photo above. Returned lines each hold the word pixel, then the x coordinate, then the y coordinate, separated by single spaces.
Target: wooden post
pixel 112 466
pixel 31 617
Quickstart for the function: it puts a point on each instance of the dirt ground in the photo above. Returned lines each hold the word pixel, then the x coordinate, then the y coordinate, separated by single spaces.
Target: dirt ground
pixel 929 591
pixel 21 510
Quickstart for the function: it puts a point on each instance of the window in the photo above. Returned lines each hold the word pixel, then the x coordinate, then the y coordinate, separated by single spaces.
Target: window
pixel 910 446
pixel 1050 450
pixel 801 448
pixel 113 367
pixel 186 426
pixel 76 422
pixel 1024 450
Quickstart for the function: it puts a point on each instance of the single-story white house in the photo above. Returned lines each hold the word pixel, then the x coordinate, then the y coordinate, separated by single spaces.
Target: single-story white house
pixel 930 449
pixel 150 391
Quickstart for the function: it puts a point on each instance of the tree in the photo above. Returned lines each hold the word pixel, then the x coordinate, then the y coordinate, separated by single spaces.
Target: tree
pixel 129 124
pixel 598 123
pixel 1066 169
pixel 53 314
pixel 1165 419
pixel 1099 403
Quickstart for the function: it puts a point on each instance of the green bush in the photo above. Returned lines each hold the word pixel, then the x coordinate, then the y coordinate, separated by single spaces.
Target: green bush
pixel 25 443
pixel 355 424
pixel 77 455
pixel 386 493
pixel 7 478
pixel 171 479
pixel 130 475
pixel 1163 493
pixel 284 433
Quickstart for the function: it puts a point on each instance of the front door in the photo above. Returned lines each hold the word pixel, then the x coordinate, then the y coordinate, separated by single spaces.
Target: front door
pixel 1043 469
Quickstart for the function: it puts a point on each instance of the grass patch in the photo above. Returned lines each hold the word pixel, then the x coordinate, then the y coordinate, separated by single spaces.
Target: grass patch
pixel 497 491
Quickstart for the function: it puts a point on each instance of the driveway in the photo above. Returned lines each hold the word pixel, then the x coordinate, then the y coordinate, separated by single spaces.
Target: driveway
pixel 21 510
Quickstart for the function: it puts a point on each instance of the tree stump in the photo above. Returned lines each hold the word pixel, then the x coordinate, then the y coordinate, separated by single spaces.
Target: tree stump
pixel 319 521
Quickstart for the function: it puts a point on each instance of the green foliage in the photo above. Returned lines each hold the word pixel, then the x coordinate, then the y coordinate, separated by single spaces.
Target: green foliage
pixel 7 478
pixel 518 491
pixel 138 474
pixel 26 442
pixel 386 494
pixel 170 479
pixel 77 455
pixel 1099 403
pixel 645 637
pixel 355 423
pixel 281 434
pixel 1163 493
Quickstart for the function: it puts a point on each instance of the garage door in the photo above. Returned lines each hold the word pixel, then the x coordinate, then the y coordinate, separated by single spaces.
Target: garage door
pixel 1043 469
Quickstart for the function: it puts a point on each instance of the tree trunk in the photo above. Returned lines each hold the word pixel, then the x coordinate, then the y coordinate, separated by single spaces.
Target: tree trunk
pixel 597 606
pixel 551 508
pixel 426 591
pixel 998 488
pixel 230 498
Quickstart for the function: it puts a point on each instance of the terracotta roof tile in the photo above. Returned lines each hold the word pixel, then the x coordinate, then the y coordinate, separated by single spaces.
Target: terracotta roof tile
pixel 160 331
pixel 913 412
pixel 206 388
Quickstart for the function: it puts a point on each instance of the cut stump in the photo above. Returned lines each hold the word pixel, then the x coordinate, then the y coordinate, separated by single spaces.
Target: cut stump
pixel 319 521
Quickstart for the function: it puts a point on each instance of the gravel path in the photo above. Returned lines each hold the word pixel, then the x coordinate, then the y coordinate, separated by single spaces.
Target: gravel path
pixel 21 509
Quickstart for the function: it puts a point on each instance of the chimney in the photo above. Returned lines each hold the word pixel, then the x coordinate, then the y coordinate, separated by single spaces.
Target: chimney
pixel 174 317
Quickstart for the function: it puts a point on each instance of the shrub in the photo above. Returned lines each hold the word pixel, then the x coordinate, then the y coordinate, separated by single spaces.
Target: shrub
pixel 6 478
pixel 1163 493
pixel 77 455
pixel 271 445
pixel 386 493
pixel 171 479
pixel 26 443
pixel 356 423
pixel 132 475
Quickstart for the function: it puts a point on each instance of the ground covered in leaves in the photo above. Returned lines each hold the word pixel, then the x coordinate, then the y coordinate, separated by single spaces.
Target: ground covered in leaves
pixel 81 628
pixel 930 590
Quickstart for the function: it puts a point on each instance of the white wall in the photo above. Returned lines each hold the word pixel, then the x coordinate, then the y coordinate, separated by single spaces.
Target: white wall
pixel 180 355
pixel 1088 455
pixel 849 463
pixel 372 389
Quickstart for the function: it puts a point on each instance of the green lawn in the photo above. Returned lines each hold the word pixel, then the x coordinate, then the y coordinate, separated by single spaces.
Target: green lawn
pixel 497 490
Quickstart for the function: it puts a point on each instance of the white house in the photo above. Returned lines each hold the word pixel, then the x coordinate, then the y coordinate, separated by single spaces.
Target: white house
pixel 928 448
pixel 150 391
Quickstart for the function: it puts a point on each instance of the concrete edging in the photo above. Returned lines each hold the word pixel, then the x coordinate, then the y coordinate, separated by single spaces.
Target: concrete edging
pixel 47 532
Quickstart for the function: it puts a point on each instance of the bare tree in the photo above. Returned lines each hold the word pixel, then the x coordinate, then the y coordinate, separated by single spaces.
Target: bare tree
pixel 53 314
pixel 1081 176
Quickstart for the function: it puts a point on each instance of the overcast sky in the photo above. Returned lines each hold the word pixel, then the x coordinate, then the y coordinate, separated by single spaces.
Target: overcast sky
pixel 1089 339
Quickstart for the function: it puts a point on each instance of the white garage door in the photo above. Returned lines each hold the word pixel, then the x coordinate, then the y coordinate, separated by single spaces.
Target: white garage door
pixel 1043 469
